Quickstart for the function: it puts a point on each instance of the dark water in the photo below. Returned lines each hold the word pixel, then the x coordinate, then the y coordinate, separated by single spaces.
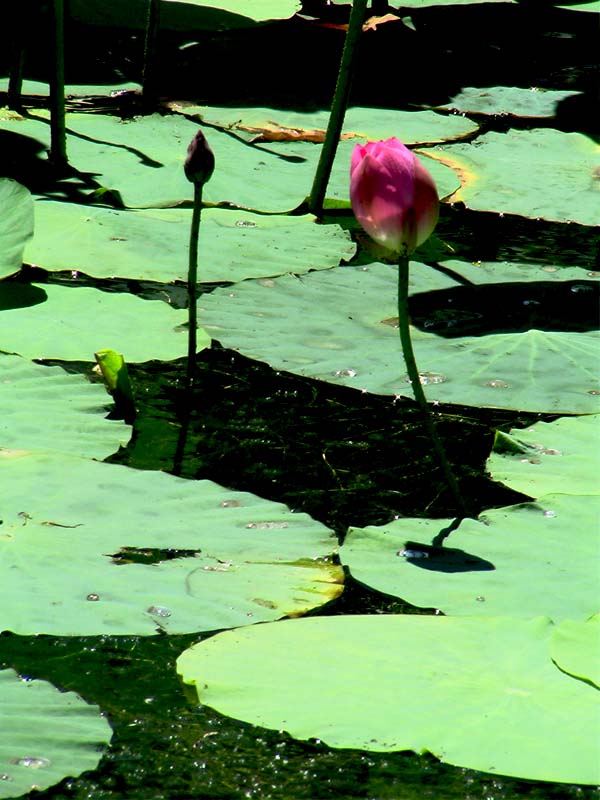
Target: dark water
pixel 251 428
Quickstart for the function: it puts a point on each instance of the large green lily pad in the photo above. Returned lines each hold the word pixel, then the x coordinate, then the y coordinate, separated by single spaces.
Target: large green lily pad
pixel 523 560
pixel 91 548
pixel 561 456
pixel 153 243
pixel 592 6
pixel 142 159
pixel 360 124
pixel 339 325
pixel 514 100
pixel 45 735
pixel 544 174
pixel 575 648
pixel 44 408
pixel 16 224
pixel 217 15
pixel 73 323
pixel 40 88
pixel 476 693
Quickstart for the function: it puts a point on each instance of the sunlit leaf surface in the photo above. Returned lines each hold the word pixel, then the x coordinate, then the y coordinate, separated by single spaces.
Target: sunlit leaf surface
pixel 512 100
pixel 91 548
pixel 575 647
pixel 16 224
pixel 46 735
pixel 510 561
pixel 360 124
pixel 141 161
pixel 483 694
pixel 72 323
pixel 44 408
pixel 340 325
pixel 183 14
pixel 153 243
pixel 561 456
pixel 537 173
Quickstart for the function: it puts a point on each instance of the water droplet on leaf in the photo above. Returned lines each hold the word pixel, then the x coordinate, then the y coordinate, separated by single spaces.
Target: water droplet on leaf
pixel 429 378
pixel 345 373
pixel 159 611
pixel 33 762
pixel 267 525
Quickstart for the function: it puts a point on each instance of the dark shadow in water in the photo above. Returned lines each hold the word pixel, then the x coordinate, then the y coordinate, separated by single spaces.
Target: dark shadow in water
pixel 477 310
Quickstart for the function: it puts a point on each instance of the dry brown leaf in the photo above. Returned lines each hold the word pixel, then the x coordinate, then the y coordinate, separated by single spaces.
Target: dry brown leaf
pixel 372 23
pixel 272 132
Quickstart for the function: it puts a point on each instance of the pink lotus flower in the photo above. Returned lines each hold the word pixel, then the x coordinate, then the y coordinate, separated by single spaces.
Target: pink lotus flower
pixel 393 196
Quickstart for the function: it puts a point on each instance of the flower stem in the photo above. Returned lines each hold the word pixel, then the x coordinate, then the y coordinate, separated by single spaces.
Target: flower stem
pixel 415 381
pixel 150 72
pixel 192 285
pixel 58 136
pixel 338 108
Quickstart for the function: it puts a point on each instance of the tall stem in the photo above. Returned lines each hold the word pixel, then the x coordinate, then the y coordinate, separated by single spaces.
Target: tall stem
pixel 415 381
pixel 58 134
pixel 193 281
pixel 338 108
pixel 150 75
pixel 19 16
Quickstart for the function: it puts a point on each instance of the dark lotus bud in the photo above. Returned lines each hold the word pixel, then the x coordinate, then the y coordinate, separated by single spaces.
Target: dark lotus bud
pixel 200 160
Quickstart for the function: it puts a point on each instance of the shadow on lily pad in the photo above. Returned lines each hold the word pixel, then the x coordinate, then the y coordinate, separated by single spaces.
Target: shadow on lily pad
pixel 443 559
pixel 14 294
pixel 477 310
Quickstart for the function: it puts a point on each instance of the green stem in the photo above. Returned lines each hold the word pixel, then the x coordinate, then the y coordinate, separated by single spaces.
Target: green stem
pixel 19 18
pixel 150 72
pixel 58 134
pixel 338 108
pixel 415 381
pixel 192 285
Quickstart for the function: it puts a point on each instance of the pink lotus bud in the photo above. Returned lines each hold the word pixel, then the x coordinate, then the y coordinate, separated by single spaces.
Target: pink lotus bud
pixel 393 196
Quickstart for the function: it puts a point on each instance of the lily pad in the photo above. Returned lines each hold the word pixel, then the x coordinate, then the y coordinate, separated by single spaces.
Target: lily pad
pixel 482 694
pixel 593 6
pixel 575 648
pixel 44 408
pixel 153 243
pixel 544 174
pixel 16 224
pixel 91 548
pixel 142 160
pixel 510 561
pixel 360 124
pixel 217 15
pixel 42 89
pixel 338 325
pixel 45 735
pixel 548 458
pixel 72 323
pixel 501 100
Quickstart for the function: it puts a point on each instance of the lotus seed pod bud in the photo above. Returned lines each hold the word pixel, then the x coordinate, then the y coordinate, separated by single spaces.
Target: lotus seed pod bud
pixel 200 160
